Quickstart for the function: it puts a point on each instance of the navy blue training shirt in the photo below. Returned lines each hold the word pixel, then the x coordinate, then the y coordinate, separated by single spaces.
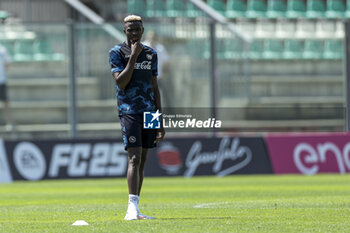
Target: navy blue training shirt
pixel 138 95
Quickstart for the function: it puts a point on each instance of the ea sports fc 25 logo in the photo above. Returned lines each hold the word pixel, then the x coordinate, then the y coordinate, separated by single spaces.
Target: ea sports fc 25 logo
pixel 151 120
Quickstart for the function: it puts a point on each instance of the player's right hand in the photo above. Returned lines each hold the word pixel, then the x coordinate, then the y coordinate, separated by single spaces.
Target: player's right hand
pixel 136 48
pixel 160 133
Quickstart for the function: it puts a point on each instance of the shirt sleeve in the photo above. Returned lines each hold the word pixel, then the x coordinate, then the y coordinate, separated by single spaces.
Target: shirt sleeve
pixel 115 61
pixel 155 64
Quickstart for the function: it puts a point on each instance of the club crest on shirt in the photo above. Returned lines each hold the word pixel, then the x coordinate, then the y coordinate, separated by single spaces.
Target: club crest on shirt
pixel 149 56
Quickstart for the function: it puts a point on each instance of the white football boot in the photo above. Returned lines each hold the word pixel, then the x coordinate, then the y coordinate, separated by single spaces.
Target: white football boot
pixel 133 210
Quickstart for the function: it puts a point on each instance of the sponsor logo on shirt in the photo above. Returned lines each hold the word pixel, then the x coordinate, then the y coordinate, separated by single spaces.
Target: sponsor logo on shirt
pixel 145 65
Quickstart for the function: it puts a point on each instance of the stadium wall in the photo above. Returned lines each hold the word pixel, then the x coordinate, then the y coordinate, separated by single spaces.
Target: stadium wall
pixel 307 154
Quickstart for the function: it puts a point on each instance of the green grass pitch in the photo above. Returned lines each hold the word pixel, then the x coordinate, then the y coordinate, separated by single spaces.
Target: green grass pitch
pixel 202 204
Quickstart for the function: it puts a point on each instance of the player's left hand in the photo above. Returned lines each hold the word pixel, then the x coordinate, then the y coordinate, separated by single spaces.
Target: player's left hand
pixel 160 135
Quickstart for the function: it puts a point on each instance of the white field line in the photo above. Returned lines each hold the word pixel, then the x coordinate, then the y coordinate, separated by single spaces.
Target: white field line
pixel 210 205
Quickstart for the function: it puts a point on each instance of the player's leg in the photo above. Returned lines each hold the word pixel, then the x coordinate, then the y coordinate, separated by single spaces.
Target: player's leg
pixel 142 167
pixel 133 175
pixel 132 141
pixel 132 137
pixel 148 141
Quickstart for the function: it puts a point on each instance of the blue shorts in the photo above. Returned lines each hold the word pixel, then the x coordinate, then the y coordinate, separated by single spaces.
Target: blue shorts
pixel 134 135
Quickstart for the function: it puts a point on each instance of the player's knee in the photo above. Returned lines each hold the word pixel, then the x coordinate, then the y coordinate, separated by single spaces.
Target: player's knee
pixel 134 161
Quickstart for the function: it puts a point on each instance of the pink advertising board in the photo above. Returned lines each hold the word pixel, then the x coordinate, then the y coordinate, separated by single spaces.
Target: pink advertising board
pixel 309 153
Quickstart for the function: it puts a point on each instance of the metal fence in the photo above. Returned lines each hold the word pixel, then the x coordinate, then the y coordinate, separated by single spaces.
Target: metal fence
pixel 270 72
